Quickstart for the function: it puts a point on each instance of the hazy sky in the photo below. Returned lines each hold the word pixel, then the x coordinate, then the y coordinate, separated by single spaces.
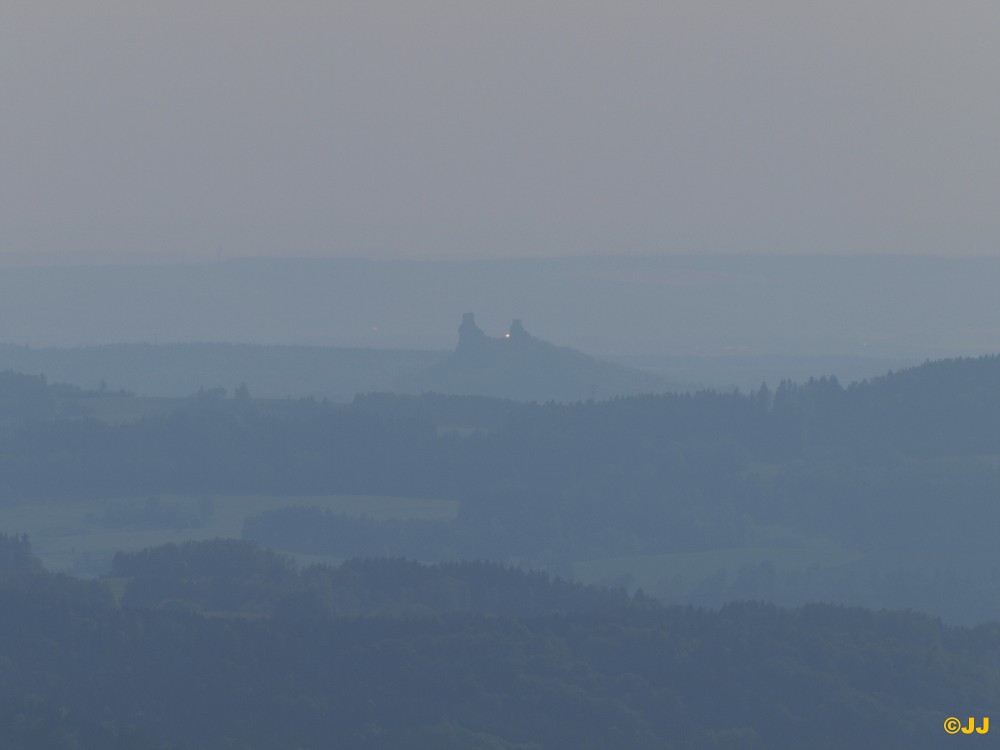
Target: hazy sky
pixel 405 128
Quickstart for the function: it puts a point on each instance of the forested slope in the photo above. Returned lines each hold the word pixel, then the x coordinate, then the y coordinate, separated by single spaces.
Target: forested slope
pixel 82 672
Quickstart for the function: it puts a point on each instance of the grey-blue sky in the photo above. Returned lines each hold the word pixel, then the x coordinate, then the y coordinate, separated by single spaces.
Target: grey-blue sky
pixel 179 129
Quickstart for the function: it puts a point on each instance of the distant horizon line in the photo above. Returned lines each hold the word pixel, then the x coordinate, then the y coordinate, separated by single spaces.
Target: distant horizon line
pixel 18 261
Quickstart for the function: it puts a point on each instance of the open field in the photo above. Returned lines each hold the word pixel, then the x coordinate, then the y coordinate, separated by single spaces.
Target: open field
pixel 75 537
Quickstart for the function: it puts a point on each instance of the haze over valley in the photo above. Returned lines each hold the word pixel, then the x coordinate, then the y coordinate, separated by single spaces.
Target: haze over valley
pixel 438 375
pixel 718 321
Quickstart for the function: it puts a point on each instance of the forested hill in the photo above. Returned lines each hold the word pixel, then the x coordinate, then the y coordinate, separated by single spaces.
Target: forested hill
pixel 940 407
pixel 384 443
pixel 520 366
pixel 230 576
pixel 82 672
pixel 945 407
pixel 883 493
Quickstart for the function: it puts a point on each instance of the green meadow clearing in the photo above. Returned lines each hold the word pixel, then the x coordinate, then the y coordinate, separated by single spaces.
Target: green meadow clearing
pixel 82 537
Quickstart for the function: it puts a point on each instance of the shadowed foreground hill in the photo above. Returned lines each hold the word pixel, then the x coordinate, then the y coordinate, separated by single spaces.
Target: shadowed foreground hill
pixel 82 673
